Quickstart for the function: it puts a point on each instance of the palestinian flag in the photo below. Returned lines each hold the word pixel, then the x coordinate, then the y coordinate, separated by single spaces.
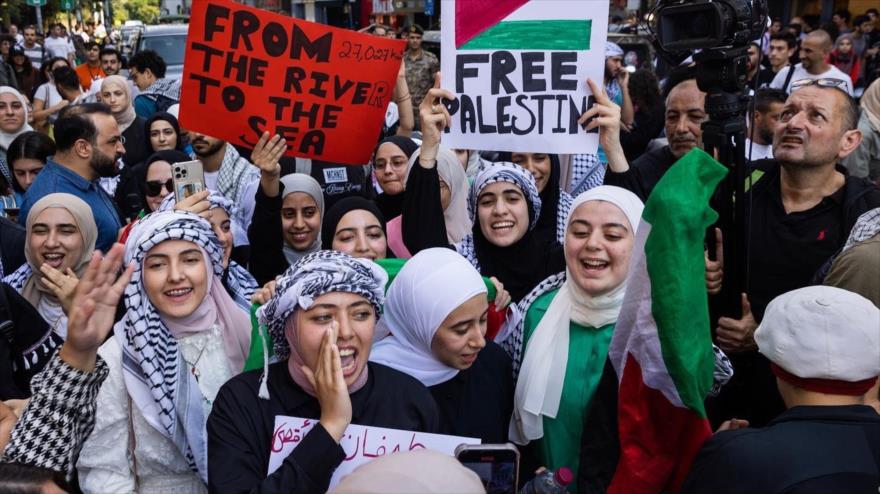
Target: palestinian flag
pixel 510 25
pixel 662 345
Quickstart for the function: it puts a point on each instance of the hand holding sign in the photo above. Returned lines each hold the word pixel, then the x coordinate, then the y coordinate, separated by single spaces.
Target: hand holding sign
pixel 330 386
pixel 605 115
pixel 434 118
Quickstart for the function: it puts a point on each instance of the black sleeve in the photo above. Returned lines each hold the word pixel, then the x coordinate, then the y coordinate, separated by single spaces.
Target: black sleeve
pixel 636 141
pixel 630 180
pixel 12 237
pixel 422 223
pixel 600 443
pixel 238 453
pixel 264 234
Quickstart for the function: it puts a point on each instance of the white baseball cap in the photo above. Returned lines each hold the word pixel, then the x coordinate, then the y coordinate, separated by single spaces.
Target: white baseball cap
pixel 822 338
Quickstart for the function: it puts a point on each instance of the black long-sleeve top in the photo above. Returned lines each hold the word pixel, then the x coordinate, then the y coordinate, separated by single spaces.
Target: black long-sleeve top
pixel 423 224
pixel 643 173
pixel 478 401
pixel 241 426
pixel 520 268
pixel 266 239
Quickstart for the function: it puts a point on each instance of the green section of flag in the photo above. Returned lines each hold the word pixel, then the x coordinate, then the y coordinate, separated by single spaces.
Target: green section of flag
pixel 259 334
pixel 534 35
pixel 679 213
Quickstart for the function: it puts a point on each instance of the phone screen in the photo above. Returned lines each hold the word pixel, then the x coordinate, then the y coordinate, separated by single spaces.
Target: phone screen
pixel 496 469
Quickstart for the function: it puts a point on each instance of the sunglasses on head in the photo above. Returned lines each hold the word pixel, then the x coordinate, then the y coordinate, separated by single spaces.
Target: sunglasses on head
pixel 154 187
pixel 824 82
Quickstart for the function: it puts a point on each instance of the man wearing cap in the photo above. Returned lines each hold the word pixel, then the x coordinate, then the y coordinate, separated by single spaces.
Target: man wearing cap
pixel 421 66
pixel 823 344
pixel 588 170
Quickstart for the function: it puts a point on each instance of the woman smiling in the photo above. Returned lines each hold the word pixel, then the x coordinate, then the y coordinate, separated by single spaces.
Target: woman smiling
pixel 181 338
pixel 560 344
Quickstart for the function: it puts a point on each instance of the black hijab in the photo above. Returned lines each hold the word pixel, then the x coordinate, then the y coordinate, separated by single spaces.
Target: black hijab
pixel 172 120
pixel 169 155
pixel 528 261
pixel 392 206
pixel 340 209
pixel 545 229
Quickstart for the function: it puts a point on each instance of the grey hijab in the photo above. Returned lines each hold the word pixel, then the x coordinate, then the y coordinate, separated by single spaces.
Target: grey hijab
pixel 300 182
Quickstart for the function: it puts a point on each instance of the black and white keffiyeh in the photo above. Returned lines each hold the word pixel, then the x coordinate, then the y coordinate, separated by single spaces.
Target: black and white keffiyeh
pixel 491 173
pixel 322 272
pixel 239 282
pixel 504 171
pixel 155 373
pixel 235 172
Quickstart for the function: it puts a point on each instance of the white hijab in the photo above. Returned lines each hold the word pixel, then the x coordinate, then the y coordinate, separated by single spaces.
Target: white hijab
pixel 6 138
pixel 539 388
pixel 430 286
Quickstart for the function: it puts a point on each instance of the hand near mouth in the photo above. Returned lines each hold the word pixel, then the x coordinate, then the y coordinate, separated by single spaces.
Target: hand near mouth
pixel 63 285
pixel 330 387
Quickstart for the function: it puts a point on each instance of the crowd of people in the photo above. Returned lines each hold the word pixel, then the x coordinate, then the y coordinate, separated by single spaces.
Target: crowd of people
pixel 150 343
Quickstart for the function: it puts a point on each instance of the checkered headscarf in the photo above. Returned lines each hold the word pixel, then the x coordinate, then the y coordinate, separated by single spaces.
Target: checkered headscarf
pixel 316 274
pixel 506 172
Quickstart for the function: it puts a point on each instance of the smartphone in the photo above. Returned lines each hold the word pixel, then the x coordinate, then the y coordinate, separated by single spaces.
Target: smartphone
pixel 497 465
pixel 188 177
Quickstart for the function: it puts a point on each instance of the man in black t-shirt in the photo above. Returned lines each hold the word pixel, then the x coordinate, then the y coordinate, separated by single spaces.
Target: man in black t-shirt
pixel 802 209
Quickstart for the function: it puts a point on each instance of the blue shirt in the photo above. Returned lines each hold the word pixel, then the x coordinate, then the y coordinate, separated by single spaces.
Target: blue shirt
pixel 57 178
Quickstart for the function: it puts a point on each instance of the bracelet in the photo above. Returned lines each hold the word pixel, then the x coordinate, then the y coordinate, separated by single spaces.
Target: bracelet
pixel 402 99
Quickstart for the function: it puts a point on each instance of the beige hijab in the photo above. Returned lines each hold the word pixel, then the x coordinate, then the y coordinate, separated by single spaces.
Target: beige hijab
pixel 33 289
pixel 871 104
pixel 126 116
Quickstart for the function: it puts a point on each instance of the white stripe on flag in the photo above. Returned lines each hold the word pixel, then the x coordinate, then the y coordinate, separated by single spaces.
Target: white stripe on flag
pixel 636 330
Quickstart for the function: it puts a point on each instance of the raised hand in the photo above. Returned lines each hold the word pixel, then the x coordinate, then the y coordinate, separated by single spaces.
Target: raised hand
pixel 267 152
pixel 94 308
pixel 330 386
pixel 61 284
pixel 434 118
pixel 265 156
pixel 604 114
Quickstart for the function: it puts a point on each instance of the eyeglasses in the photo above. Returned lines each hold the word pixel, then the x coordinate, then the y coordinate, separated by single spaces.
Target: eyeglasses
pixel 824 82
pixel 154 187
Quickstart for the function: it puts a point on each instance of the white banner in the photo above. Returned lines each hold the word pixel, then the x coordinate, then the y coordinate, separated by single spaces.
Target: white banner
pixel 519 70
pixel 361 443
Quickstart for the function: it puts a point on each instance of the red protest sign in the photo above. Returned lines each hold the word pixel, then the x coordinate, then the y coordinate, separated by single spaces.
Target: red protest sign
pixel 324 89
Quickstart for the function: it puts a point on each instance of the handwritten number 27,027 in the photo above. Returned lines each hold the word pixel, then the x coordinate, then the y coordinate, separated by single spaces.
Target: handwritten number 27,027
pixel 357 52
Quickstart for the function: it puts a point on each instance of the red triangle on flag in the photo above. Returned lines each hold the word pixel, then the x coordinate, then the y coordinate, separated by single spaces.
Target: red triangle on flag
pixel 472 17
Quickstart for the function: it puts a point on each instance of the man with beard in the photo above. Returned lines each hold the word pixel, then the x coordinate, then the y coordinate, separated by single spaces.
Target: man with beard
pixel 759 137
pixel 814 55
pixel 805 205
pixel 227 172
pixel 685 113
pixel 420 66
pixel 88 143
pixel 758 75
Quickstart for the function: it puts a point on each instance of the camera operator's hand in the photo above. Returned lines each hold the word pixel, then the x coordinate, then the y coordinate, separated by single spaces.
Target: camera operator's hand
pixel 606 115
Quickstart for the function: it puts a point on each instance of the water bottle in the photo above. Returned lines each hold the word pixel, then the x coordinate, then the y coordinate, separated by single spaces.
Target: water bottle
pixel 549 482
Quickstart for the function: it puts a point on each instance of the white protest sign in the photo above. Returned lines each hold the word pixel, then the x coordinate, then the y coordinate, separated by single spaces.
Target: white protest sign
pixel 519 71
pixel 360 443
